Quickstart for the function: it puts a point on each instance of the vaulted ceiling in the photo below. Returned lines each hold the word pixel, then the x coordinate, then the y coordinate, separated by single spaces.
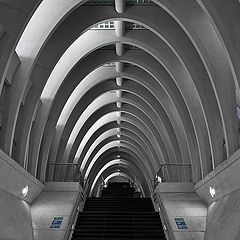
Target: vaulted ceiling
pixel 119 86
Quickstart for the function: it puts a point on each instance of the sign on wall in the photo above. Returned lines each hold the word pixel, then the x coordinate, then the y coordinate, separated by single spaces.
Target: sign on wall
pixel 56 223
pixel 181 224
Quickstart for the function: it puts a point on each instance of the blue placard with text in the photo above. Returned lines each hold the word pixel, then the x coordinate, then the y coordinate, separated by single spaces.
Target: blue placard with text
pixel 56 223
pixel 181 224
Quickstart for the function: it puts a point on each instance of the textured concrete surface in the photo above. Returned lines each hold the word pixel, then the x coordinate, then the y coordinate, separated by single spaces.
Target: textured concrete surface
pixel 223 218
pixel 53 202
pixel 223 209
pixel 176 200
pixel 225 179
pixel 13 178
pixel 15 218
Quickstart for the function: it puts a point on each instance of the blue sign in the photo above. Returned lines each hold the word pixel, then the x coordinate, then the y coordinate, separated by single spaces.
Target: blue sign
pixel 180 223
pixel 56 223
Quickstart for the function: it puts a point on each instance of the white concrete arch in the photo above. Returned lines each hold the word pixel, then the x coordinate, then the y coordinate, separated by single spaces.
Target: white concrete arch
pixel 125 127
pixel 112 133
pixel 142 128
pixel 113 162
pixel 101 102
pixel 214 56
pixel 114 74
pixel 86 167
pixel 145 107
pixel 130 143
pixel 128 156
pixel 218 14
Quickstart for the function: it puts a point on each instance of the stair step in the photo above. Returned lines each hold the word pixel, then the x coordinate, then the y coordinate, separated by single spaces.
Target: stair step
pixel 118 219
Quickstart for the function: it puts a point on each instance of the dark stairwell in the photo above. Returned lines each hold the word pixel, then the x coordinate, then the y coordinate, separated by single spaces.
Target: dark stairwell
pixel 118 215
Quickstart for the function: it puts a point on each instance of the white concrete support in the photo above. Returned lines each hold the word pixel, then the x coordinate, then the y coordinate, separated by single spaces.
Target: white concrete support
pixel 118 114
pixel 119 67
pixel 119 28
pixel 119 49
pixel 119 93
pixel 119 81
pixel 120 6
pixel 119 104
pixel 15 62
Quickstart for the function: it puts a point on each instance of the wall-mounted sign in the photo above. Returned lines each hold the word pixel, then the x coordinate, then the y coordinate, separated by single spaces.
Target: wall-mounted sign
pixel 181 224
pixel 56 223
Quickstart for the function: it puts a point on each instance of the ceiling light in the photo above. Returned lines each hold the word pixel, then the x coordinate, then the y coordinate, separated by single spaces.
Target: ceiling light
pixel 25 191
pixel 212 192
pixel 119 104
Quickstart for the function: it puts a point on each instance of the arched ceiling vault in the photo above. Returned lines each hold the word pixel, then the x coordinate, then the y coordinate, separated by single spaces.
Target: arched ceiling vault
pixel 160 85
pixel 126 159
pixel 126 168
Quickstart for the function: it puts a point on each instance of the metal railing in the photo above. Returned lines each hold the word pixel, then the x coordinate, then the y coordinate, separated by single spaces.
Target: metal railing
pixel 111 2
pixel 173 172
pixel 64 172
pixel 76 209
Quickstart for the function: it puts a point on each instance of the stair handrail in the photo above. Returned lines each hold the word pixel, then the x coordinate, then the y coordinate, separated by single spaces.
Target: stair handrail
pixel 163 175
pixel 75 211
pixel 64 167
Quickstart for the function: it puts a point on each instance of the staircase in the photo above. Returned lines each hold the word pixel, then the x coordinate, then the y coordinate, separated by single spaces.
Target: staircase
pixel 118 218
pixel 118 189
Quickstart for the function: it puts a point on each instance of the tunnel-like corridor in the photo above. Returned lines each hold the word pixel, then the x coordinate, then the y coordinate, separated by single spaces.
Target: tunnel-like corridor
pixel 140 90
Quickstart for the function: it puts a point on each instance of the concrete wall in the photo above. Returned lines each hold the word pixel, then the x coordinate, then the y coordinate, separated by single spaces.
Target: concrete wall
pixel 180 205
pixel 57 200
pixel 223 209
pixel 15 215
pixel 15 218
pixel 30 217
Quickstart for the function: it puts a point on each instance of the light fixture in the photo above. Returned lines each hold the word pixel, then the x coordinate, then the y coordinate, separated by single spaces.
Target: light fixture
pixel 119 104
pixel 212 192
pixel 25 191
pixel 159 179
